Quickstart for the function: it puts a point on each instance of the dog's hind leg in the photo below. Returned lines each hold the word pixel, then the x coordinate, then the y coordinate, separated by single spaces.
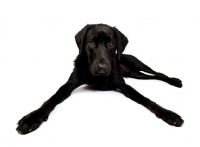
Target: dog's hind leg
pixel 132 67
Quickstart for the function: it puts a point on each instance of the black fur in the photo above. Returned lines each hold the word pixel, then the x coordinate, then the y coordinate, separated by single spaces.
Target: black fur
pixel 98 65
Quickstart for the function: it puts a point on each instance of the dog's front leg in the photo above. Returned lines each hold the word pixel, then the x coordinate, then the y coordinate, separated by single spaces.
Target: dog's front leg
pixel 34 119
pixel 166 115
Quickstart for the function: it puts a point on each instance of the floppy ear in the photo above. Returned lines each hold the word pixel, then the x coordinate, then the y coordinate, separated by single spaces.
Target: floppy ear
pixel 122 41
pixel 79 37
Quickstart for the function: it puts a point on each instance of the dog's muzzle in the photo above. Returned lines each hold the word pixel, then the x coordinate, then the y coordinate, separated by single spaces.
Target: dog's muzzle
pixel 101 68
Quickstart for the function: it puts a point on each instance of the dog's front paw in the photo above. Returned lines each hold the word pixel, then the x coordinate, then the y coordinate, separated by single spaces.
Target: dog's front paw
pixel 176 82
pixel 171 118
pixel 30 122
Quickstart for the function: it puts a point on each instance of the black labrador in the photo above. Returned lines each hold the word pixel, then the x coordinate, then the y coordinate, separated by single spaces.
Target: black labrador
pixel 98 65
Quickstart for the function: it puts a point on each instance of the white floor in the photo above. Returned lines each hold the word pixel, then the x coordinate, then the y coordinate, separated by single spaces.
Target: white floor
pixel 37 49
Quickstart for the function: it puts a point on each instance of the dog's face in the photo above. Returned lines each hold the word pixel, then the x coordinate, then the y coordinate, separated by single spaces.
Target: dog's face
pixel 100 43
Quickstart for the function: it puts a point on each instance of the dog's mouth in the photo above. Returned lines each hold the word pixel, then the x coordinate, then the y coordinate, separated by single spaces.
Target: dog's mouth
pixel 101 74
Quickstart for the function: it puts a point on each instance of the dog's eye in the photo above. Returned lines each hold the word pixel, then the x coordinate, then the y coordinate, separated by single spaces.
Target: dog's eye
pixel 110 44
pixel 91 44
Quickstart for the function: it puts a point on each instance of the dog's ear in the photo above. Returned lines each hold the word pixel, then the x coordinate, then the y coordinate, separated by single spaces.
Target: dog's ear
pixel 122 41
pixel 79 37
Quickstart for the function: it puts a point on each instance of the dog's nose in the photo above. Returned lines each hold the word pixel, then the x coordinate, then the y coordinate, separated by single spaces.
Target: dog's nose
pixel 102 68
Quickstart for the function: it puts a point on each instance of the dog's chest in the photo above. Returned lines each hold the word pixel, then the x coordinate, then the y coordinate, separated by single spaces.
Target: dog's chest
pixel 102 83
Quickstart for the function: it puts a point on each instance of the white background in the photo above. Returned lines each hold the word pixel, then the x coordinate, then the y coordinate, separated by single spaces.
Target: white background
pixel 37 49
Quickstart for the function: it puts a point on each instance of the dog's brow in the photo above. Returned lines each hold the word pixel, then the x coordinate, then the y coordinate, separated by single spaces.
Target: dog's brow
pixel 108 37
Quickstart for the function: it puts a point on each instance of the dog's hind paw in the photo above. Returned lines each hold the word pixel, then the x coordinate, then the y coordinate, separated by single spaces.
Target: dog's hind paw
pixel 175 82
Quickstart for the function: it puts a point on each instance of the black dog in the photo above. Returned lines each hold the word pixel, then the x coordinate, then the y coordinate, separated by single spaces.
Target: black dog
pixel 98 65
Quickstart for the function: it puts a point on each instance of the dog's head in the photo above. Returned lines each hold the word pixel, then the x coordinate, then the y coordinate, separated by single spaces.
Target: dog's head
pixel 100 43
